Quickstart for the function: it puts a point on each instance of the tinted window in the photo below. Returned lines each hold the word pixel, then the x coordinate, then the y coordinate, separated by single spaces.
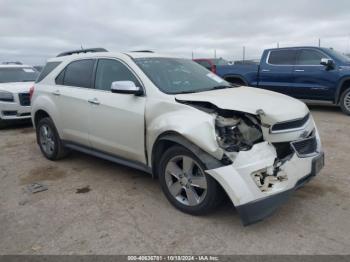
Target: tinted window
pixel 49 67
pixel 79 73
pixel 17 74
pixel 109 70
pixel 310 57
pixel 282 57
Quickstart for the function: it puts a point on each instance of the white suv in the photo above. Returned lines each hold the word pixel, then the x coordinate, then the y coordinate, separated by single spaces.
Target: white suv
pixel 170 117
pixel 15 83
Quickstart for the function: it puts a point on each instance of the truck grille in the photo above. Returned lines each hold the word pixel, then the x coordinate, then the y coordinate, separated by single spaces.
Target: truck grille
pixel 290 124
pixel 24 99
pixel 305 147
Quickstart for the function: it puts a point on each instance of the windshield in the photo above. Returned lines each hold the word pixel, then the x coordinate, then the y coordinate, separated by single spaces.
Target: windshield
pixel 176 76
pixel 17 74
pixel 338 56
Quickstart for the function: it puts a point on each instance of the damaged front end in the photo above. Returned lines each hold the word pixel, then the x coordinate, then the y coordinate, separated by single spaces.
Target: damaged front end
pixel 269 160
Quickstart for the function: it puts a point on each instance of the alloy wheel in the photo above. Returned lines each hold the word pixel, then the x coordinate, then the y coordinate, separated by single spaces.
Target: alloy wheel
pixel 186 180
pixel 47 139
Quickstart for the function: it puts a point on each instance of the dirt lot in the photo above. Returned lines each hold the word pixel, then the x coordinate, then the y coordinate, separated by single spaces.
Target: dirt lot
pixel 93 206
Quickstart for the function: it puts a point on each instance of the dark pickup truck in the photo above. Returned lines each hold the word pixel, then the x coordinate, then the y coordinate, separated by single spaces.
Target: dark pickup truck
pixel 309 73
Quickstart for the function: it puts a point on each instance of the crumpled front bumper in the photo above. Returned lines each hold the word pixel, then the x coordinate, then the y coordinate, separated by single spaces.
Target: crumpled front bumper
pixel 251 202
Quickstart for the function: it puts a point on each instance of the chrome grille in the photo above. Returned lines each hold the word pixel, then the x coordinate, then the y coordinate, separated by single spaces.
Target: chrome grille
pixel 298 123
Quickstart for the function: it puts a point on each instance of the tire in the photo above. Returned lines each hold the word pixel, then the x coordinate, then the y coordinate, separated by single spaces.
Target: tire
pixel 49 141
pixel 345 101
pixel 193 192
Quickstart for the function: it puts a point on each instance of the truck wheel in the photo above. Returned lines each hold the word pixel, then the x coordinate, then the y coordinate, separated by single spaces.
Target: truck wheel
pixel 49 141
pixel 185 184
pixel 345 101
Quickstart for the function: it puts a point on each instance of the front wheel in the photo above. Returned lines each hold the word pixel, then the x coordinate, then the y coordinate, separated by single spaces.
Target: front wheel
pixel 185 184
pixel 345 101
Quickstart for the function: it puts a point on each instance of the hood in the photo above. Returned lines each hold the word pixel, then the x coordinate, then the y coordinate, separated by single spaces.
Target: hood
pixel 18 87
pixel 276 107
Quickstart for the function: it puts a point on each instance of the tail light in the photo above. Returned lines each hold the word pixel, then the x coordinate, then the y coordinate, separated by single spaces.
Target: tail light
pixel 31 92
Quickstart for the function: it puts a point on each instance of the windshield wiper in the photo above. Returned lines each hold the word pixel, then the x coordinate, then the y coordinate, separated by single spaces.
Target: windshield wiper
pixel 220 87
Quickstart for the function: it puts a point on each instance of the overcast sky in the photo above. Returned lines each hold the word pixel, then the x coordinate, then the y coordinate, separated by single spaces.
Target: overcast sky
pixel 32 31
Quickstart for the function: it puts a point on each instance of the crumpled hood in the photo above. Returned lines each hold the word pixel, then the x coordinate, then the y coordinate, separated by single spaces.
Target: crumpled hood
pixel 277 107
pixel 18 87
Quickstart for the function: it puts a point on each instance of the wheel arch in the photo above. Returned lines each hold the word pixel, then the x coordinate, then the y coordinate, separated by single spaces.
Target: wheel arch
pixel 237 77
pixel 39 114
pixel 170 138
pixel 342 86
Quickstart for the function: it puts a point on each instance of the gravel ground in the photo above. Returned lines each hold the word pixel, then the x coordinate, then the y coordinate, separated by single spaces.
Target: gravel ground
pixel 96 207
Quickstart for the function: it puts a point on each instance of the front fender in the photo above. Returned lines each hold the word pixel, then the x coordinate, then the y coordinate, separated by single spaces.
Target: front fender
pixel 196 126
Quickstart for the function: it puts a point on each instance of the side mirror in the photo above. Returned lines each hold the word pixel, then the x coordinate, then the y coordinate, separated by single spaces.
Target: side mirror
pixel 329 63
pixel 126 87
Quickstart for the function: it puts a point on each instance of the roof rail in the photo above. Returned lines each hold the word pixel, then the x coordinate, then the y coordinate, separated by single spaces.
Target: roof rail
pixel 142 51
pixel 89 50
pixel 12 63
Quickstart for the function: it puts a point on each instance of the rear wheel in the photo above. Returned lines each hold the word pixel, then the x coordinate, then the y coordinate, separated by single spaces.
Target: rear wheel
pixel 185 184
pixel 49 141
pixel 345 101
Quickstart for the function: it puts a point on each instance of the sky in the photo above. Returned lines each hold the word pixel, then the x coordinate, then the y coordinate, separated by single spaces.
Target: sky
pixel 32 31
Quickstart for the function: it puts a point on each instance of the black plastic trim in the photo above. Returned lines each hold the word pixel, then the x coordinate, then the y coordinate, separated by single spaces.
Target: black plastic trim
pixel 107 156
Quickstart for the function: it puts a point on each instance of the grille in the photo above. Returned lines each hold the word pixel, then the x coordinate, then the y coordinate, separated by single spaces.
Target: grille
pixel 305 147
pixel 290 124
pixel 24 99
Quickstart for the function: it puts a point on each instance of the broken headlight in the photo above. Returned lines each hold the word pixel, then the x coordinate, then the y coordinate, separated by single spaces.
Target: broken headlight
pixel 237 133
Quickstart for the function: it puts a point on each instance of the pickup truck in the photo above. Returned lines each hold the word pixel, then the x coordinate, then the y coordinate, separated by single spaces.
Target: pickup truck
pixel 309 73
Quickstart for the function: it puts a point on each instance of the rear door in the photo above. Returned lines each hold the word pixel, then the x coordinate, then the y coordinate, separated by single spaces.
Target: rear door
pixel 73 85
pixel 311 79
pixel 276 73
pixel 117 120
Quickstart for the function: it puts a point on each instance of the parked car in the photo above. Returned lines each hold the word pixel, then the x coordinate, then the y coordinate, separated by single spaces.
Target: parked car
pixel 309 73
pixel 15 81
pixel 172 118
pixel 211 63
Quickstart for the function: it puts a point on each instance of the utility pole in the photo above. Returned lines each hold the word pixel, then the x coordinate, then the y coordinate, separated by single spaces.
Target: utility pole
pixel 278 45
pixel 192 55
pixel 319 42
pixel 243 54
pixel 215 53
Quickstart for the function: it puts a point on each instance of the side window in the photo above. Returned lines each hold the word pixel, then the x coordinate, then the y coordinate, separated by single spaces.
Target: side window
pixel 49 67
pixel 205 64
pixel 310 57
pixel 282 57
pixel 78 73
pixel 109 71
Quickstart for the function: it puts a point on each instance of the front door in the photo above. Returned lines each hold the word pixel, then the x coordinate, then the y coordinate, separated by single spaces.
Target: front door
pixel 311 79
pixel 117 123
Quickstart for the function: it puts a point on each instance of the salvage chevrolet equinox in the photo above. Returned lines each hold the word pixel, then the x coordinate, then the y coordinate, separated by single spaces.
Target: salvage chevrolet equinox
pixel 200 135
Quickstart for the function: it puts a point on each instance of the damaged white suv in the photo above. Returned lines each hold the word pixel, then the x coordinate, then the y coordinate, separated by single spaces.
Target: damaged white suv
pixel 201 136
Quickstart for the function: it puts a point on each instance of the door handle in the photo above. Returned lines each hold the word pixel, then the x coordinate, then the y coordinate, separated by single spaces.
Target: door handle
pixel 266 70
pixel 56 93
pixel 299 70
pixel 94 101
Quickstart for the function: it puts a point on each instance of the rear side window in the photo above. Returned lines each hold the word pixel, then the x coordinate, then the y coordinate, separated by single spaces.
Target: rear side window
pixel 78 73
pixel 109 70
pixel 282 57
pixel 49 67
pixel 310 57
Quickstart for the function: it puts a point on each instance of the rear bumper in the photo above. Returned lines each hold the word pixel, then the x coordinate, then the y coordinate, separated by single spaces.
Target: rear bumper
pixel 252 203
